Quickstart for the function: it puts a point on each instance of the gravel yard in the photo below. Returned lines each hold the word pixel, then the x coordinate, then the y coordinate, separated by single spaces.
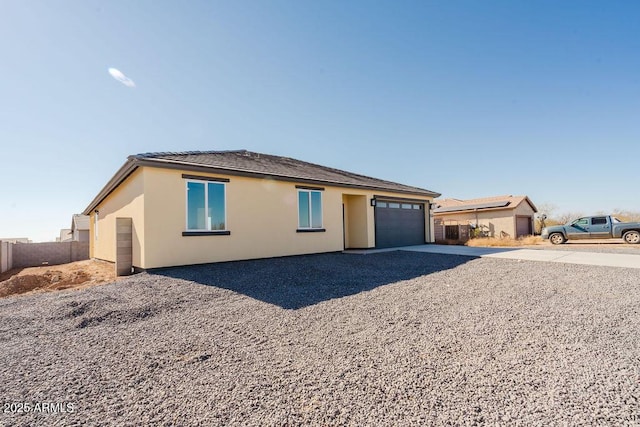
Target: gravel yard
pixel 395 338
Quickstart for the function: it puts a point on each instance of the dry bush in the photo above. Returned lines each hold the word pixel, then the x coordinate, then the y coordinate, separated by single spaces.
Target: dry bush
pixel 568 217
pixel 547 223
pixel 626 216
pixel 529 240
pixel 507 241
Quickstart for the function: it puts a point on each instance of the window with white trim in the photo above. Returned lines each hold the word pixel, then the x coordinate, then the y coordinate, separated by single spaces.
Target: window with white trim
pixel 206 206
pixel 309 209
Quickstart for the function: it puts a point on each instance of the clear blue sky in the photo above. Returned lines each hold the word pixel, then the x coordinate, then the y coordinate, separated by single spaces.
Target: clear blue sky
pixel 466 98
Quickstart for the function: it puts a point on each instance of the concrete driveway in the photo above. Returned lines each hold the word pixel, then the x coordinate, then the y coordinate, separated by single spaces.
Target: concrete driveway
pixel 570 257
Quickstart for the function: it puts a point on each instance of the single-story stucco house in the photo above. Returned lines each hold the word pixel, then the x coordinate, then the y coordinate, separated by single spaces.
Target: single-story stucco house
pixel 80 228
pixel 170 209
pixel 65 235
pixel 79 231
pixel 498 216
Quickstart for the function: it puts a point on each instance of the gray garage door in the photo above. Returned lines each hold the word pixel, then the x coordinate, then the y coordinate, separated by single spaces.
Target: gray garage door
pixel 523 226
pixel 399 224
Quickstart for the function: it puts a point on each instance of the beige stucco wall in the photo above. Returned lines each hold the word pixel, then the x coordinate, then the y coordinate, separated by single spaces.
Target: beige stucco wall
pixel 496 221
pixel 262 217
pixel 125 201
pixel 356 221
pixel 525 209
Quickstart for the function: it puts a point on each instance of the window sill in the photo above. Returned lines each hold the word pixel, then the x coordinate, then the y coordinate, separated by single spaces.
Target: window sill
pixel 206 233
pixel 310 230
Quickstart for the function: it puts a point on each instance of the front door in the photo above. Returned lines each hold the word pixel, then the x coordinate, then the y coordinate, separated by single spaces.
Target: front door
pixel 579 229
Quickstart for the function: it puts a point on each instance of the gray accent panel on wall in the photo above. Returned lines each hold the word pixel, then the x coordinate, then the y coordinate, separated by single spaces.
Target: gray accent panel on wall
pixel 124 246
pixel 6 256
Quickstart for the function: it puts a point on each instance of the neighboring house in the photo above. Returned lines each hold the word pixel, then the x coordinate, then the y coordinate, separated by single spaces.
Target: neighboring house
pixel 80 228
pixel 79 231
pixel 65 235
pixel 201 207
pixel 500 216
pixel 15 240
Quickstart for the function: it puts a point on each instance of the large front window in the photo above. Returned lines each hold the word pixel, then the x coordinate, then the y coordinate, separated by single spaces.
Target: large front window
pixel 309 209
pixel 205 206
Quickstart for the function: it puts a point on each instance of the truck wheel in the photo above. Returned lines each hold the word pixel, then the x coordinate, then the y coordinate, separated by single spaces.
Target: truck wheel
pixel 632 237
pixel 557 238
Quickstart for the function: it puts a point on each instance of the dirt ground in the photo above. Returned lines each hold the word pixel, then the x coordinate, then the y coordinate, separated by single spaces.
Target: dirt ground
pixel 75 275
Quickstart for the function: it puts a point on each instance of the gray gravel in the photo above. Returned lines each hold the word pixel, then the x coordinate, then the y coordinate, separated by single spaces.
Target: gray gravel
pixel 394 338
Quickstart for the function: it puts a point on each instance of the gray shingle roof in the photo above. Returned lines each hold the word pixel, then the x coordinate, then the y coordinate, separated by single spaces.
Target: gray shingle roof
pixel 473 206
pixel 445 206
pixel 248 163
pixel 269 165
pixel 79 222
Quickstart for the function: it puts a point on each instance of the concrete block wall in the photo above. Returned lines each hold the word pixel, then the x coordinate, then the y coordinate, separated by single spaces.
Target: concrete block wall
pixel 79 251
pixel 35 254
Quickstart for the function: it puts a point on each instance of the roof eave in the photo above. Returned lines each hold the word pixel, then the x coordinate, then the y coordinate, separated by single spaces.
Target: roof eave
pixel 170 164
pixel 134 162
pixel 508 207
pixel 503 208
pixel 125 170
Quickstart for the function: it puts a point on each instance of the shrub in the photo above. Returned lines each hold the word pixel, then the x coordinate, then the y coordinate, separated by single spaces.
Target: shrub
pixel 507 241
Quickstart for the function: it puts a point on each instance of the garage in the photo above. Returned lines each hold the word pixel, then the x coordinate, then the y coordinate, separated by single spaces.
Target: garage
pixel 497 216
pixel 399 223
pixel 523 226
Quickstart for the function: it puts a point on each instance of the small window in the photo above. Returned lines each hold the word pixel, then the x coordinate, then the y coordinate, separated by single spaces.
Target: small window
pixel 206 206
pixel 309 209
pixel 417 206
pixel 407 206
pixel 598 220
pixel 394 205
pixel 381 204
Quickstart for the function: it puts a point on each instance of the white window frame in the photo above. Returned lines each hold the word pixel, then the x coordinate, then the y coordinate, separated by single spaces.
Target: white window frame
pixel 311 227
pixel 206 204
